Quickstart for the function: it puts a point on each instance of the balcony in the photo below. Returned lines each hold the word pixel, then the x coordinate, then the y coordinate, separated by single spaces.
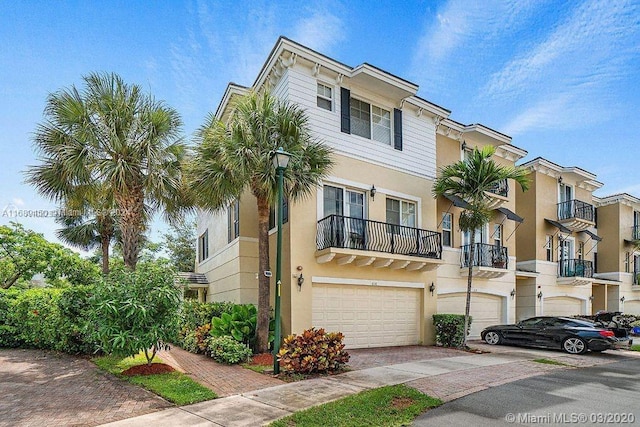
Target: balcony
pixel 575 272
pixel 498 194
pixel 576 215
pixel 363 242
pixel 489 261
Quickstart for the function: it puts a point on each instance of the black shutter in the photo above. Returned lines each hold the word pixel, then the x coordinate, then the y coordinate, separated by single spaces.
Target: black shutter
pixel 345 110
pixel 397 129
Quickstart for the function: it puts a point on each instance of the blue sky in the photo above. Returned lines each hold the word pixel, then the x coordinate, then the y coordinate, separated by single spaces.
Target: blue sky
pixel 561 77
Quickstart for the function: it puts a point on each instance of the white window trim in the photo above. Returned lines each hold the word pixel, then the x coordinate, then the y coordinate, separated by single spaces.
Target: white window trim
pixel 379 105
pixel 573 246
pixel 333 95
pixel 486 234
pixel 573 191
pixel 400 212
pixel 345 188
pixel 450 230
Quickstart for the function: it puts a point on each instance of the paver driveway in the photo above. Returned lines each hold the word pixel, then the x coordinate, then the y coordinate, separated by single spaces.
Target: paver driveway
pixel 40 388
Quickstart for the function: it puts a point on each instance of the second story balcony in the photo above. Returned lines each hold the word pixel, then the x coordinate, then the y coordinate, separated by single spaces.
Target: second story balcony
pixel 498 194
pixel 489 261
pixel 363 242
pixel 576 215
pixel 575 271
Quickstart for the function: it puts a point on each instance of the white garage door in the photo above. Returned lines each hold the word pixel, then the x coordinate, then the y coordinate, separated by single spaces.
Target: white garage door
pixel 562 306
pixel 485 310
pixel 632 307
pixel 368 316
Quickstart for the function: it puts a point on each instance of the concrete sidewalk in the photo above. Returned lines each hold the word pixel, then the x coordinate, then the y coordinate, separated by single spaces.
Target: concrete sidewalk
pixel 446 378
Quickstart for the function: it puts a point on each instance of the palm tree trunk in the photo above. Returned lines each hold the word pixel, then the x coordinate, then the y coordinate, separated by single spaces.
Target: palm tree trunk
pixel 264 291
pixel 104 244
pixel 131 207
pixel 467 308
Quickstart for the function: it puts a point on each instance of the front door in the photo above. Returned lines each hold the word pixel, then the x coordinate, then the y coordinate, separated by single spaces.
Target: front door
pixel 565 256
pixel 354 210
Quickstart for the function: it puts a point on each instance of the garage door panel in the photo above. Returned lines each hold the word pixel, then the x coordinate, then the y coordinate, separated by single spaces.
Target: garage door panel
pixel 368 316
pixel 485 310
pixel 632 307
pixel 562 306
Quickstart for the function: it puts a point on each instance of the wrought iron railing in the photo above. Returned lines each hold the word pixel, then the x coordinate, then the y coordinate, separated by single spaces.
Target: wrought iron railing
pixel 501 188
pixel 485 255
pixel 635 232
pixel 575 268
pixel 575 209
pixel 337 231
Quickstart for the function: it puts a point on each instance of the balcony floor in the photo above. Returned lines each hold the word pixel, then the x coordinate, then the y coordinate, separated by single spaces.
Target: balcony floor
pixel 361 258
pixel 484 272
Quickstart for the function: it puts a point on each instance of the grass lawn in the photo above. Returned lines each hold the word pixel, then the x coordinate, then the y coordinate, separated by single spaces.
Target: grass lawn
pixel 635 347
pixel 176 387
pixel 550 362
pixel 387 406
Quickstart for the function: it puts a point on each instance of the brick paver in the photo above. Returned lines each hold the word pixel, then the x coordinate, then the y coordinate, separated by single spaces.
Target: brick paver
pixel 225 380
pixel 41 388
pixel 363 358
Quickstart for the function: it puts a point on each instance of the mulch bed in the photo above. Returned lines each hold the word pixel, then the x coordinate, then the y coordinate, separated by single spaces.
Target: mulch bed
pixel 264 359
pixel 155 368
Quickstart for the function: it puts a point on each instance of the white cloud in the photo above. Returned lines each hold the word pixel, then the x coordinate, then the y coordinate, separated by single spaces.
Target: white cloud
pixel 17 201
pixel 320 31
pixel 565 80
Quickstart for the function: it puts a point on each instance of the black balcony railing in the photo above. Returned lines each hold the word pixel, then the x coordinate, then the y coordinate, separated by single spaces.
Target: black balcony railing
pixel 575 268
pixel 635 232
pixel 337 231
pixel 501 188
pixel 485 256
pixel 575 209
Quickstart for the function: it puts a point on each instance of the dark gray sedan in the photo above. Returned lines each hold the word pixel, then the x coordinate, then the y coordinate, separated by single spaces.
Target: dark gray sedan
pixel 574 336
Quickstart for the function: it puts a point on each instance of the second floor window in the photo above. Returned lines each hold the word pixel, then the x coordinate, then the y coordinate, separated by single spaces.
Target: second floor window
pixel 549 248
pixel 497 234
pixel 447 222
pixel 233 223
pixel 400 212
pixel 370 121
pixel 203 246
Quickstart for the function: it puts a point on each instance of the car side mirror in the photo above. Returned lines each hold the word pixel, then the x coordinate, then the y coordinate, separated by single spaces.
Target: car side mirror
pixel 519 324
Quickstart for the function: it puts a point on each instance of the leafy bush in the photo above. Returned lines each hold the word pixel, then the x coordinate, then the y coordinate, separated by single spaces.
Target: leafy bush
pixel 75 319
pixel 313 351
pixel 8 330
pixel 239 324
pixel 137 310
pixel 194 314
pixel 226 349
pixel 449 329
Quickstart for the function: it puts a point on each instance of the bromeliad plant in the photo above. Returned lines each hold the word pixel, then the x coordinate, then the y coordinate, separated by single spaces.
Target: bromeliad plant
pixel 313 351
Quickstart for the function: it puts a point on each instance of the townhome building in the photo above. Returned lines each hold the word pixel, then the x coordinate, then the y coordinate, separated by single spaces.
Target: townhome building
pixel 364 254
pixel 557 245
pixel 618 256
pixel 494 264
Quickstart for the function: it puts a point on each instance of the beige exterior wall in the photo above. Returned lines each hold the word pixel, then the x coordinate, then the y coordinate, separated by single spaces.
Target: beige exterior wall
pixel 303 224
pixel 611 250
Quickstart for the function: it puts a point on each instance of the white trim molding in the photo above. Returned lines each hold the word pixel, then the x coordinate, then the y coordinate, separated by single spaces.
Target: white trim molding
pixel 364 282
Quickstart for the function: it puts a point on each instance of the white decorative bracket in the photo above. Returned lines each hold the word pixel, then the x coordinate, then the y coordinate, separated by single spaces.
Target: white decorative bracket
pixel 339 78
pixel 316 70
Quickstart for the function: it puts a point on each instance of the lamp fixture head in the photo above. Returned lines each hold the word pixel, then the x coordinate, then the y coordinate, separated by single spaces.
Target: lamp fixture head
pixel 464 145
pixel 591 298
pixel 300 281
pixel 560 179
pixel 432 288
pixel 540 295
pixel 513 293
pixel 622 299
pixel 372 192
pixel 280 158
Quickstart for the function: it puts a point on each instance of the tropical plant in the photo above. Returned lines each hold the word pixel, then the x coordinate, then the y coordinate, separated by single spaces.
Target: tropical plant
pixel 180 244
pixel 471 179
pixel 313 351
pixel 118 140
pixel 236 156
pixel 137 310
pixel 25 253
pixel 239 323
pixel 226 349
pixel 450 329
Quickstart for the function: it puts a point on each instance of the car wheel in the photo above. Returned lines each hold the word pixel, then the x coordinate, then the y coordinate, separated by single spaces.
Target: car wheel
pixel 492 338
pixel 574 345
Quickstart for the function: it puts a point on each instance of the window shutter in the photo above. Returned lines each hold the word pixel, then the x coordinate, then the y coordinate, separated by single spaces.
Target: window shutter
pixel 397 129
pixel 345 110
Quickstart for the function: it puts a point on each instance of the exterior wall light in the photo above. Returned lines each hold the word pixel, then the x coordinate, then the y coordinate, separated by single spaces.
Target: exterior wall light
pixel 622 299
pixel 372 192
pixel 540 295
pixel 432 288
pixel 513 293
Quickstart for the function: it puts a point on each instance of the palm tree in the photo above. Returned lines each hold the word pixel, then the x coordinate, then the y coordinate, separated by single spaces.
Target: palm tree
pixel 119 139
pixel 470 180
pixel 237 156
pixel 88 222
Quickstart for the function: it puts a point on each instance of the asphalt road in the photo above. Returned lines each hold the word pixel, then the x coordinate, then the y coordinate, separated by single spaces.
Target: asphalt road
pixel 607 394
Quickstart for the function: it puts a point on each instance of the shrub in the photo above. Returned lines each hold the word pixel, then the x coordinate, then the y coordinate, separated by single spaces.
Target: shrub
pixel 137 310
pixel 449 329
pixel 239 324
pixel 226 349
pixel 313 351
pixel 75 317
pixel 8 330
pixel 194 314
pixel 37 317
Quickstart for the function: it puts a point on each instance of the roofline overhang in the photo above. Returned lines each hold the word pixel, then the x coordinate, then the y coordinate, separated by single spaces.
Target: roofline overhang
pixel 542 165
pixel 622 198
pixel 232 90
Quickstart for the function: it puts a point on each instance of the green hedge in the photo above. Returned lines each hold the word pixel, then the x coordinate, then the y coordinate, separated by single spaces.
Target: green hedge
pixel 449 329
pixel 54 319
